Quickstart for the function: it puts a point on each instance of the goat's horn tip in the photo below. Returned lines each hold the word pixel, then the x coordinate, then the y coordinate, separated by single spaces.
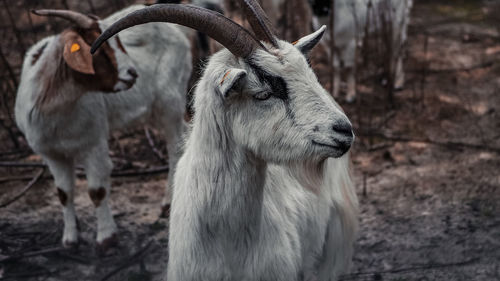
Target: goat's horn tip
pixel 94 48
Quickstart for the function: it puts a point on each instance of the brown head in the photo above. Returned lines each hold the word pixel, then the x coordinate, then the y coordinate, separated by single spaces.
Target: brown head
pixel 101 72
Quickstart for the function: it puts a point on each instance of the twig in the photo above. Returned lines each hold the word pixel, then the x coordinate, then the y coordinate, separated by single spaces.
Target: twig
pixel 448 144
pixel 91 6
pixel 22 165
pixel 27 274
pixel 11 134
pixel 15 154
pixel 28 187
pixel 458 69
pixel 332 48
pixel 130 261
pixel 79 259
pixel 408 269
pixel 151 143
pixel 425 70
pixel 33 254
pixel 21 47
pixel 154 170
pixel 65 4
pixel 129 173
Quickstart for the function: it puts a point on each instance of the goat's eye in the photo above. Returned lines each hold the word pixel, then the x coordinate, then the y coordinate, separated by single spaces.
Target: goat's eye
pixel 264 95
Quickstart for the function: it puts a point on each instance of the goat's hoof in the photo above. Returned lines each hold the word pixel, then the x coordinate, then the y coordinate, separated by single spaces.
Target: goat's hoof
pixel 70 245
pixel 103 247
pixel 165 211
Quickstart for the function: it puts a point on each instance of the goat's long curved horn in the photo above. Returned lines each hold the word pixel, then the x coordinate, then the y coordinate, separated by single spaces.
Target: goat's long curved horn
pixel 79 19
pixel 235 38
pixel 259 21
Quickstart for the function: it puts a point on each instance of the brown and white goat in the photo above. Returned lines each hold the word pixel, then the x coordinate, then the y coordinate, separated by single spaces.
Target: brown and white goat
pixel 68 102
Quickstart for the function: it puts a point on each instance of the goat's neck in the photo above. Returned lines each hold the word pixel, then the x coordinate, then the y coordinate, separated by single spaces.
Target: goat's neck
pixel 227 179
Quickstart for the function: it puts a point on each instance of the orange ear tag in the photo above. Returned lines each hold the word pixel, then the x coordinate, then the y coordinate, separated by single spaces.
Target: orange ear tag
pixel 75 47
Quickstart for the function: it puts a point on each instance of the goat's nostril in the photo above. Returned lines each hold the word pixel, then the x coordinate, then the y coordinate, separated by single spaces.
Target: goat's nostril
pixel 132 72
pixel 343 128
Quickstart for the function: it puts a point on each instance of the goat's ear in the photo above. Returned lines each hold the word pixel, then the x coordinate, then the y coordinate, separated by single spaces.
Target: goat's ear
pixel 307 43
pixel 77 53
pixel 231 81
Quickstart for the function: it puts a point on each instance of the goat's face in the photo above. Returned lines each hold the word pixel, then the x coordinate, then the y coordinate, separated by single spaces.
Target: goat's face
pixel 109 70
pixel 278 110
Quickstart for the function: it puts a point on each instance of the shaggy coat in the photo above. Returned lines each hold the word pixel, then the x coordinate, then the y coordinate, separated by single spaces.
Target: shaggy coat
pixel 263 190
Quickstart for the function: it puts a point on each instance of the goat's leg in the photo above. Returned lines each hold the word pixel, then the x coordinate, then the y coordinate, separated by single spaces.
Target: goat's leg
pixel 98 168
pixel 173 134
pixel 336 77
pixel 351 84
pixel 399 79
pixel 63 171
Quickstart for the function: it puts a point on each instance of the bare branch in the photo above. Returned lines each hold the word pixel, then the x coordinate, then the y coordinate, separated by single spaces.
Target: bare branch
pixel 135 258
pixel 28 187
pixel 151 143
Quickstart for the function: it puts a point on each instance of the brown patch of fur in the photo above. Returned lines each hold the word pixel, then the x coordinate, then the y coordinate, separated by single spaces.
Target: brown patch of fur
pixel 63 197
pixel 97 195
pixel 38 53
pixel 106 74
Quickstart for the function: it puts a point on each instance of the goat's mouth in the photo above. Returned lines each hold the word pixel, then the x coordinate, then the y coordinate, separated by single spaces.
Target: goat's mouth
pixel 338 148
pixel 333 146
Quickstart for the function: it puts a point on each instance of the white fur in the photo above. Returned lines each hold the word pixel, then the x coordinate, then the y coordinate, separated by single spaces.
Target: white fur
pixel 254 198
pixel 350 22
pixel 79 123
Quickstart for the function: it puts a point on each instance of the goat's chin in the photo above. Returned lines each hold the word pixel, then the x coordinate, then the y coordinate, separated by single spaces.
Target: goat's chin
pixel 122 86
pixel 309 173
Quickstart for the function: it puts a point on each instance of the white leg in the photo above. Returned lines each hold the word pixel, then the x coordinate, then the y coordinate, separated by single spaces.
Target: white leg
pixel 399 79
pixel 64 177
pixel 98 168
pixel 173 133
pixel 336 78
pixel 351 85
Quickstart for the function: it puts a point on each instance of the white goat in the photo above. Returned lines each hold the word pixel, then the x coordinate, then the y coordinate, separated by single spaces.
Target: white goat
pixel 64 108
pixel 262 191
pixel 351 19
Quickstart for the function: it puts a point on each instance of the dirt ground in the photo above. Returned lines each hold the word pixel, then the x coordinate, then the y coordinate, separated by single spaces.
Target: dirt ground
pixel 426 173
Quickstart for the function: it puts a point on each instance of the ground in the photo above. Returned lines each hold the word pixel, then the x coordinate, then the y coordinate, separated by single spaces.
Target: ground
pixel 426 170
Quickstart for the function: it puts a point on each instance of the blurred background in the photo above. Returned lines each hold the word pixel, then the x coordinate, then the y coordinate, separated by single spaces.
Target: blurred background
pixel 426 159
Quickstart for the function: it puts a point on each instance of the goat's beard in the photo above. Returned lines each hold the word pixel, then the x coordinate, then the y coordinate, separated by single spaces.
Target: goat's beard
pixel 309 173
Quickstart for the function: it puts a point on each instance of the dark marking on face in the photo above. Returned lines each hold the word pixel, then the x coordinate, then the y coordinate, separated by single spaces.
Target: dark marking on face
pixel 63 197
pixel 38 53
pixel 278 85
pixel 97 195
